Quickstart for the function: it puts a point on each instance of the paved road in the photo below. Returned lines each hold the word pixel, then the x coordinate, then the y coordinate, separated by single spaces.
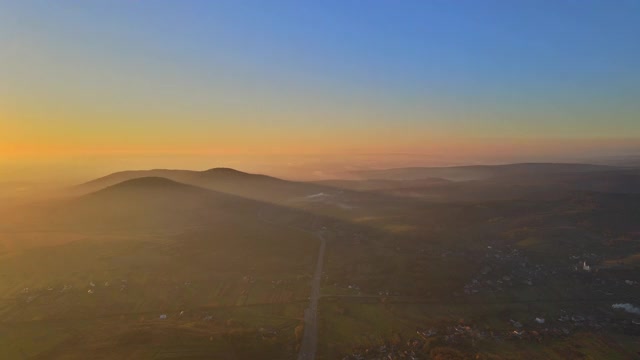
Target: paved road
pixel 310 336
pixel 309 342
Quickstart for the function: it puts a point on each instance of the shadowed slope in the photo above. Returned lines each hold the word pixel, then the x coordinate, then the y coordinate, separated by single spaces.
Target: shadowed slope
pixel 151 203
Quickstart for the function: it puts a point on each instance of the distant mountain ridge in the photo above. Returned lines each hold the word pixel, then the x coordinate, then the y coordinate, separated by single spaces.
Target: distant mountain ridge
pixel 146 183
pixel 479 172
pixel 472 182
pixel 381 184
pixel 227 180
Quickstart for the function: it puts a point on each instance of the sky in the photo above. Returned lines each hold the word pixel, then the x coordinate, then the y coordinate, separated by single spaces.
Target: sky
pixel 88 87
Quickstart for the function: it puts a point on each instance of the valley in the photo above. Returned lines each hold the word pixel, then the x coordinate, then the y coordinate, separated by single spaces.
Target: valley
pixel 150 267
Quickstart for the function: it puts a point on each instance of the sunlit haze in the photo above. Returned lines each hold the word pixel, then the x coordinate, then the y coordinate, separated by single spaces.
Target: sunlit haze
pixel 91 87
pixel 319 179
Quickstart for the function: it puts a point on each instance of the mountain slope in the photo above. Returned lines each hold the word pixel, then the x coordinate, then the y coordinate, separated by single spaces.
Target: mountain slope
pixel 253 186
pixel 121 176
pixel 151 203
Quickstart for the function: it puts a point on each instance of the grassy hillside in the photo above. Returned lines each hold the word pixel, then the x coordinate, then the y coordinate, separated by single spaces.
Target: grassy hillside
pixel 102 268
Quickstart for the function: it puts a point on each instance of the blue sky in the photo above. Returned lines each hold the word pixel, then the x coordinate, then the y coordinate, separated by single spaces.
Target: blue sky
pixel 279 72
